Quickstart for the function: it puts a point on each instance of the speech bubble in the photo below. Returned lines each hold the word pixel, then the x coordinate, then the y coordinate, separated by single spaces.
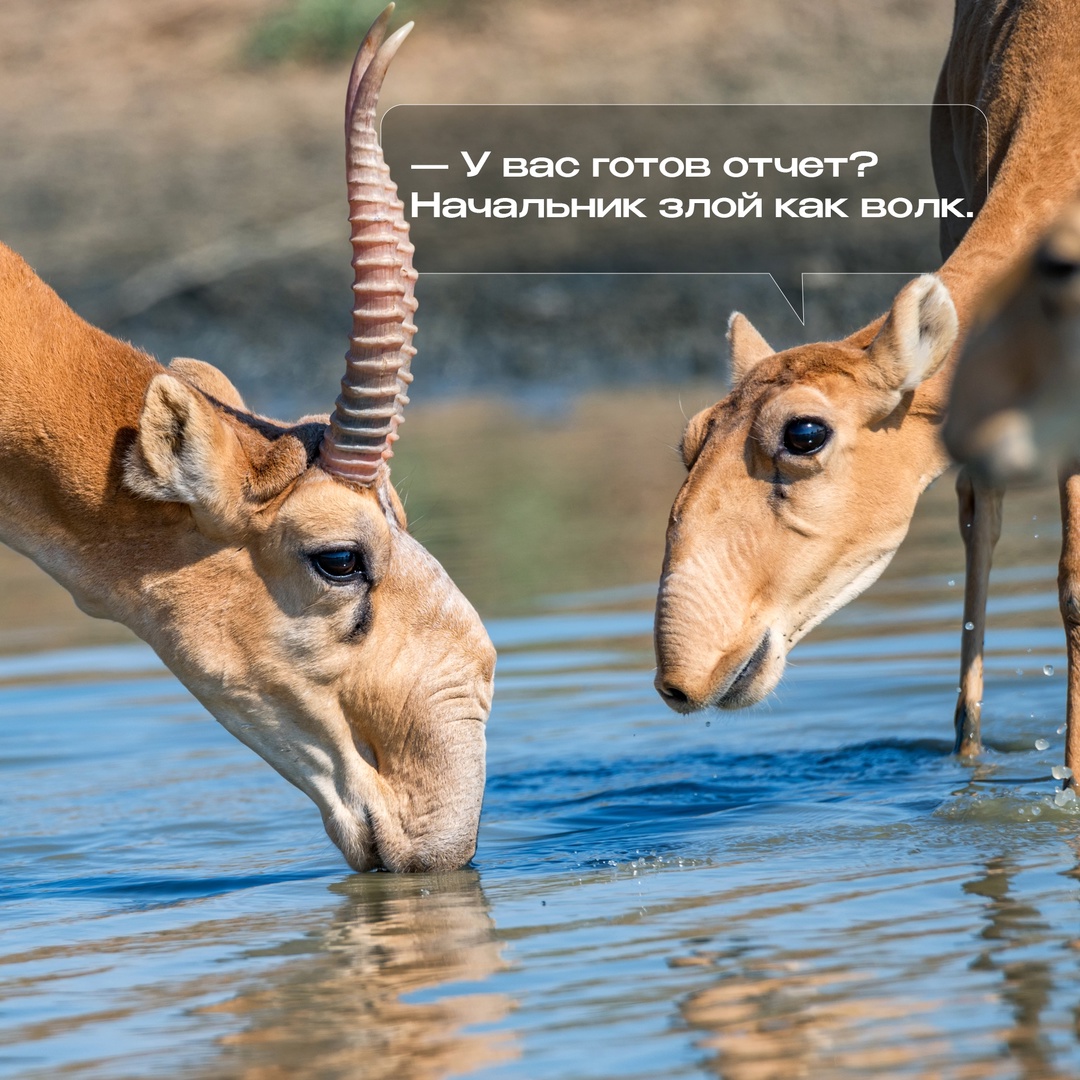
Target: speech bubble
pixel 782 190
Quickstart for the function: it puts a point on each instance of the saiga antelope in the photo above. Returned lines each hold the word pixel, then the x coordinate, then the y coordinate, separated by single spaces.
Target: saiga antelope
pixel 802 482
pixel 267 564
pixel 1015 399
pixel 1017 386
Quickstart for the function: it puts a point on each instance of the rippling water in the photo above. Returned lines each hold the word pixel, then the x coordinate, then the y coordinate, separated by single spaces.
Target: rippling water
pixel 811 888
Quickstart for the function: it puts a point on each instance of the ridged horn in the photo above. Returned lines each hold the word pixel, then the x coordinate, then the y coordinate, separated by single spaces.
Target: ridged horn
pixel 373 395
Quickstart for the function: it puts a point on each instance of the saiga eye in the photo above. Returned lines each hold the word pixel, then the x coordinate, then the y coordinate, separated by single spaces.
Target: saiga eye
pixel 338 566
pixel 805 435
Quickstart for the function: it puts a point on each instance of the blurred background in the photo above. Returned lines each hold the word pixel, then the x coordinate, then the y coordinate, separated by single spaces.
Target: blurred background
pixel 174 168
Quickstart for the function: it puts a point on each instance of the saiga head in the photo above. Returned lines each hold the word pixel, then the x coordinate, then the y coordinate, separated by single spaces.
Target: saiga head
pixel 1017 381
pixel 291 599
pixel 801 485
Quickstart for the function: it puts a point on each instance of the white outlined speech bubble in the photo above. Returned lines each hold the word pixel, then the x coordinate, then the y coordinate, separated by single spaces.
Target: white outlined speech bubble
pixel 783 190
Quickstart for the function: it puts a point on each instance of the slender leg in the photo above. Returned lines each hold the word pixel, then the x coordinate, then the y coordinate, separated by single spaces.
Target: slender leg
pixel 1069 599
pixel 980 527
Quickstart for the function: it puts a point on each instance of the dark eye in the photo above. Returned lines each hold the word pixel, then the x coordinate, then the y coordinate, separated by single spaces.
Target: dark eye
pixel 1054 266
pixel 336 566
pixel 804 435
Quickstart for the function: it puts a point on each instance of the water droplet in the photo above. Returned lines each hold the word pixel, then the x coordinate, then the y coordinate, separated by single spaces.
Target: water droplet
pixel 969 625
pixel 1061 730
pixel 1034 517
pixel 1042 744
pixel 1061 772
pixel 1019 671
pixel 1048 669
pixel 1064 798
pixel 1036 536
pixel 708 723
pixel 952 581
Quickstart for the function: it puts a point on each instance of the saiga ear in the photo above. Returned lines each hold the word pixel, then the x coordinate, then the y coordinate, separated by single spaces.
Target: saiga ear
pixel 208 379
pixel 747 346
pixel 916 336
pixel 185 452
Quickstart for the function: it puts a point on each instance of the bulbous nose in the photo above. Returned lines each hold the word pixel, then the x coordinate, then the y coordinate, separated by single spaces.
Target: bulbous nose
pixel 675 696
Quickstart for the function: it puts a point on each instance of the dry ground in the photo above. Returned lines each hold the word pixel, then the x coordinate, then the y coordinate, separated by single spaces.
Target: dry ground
pixel 195 204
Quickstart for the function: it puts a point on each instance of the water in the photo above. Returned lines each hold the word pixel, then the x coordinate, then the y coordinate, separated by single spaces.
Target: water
pixel 811 888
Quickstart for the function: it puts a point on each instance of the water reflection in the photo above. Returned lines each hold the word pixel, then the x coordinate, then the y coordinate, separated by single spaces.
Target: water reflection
pixel 355 999
pixel 1012 926
pixel 807 1012
pixel 785 1016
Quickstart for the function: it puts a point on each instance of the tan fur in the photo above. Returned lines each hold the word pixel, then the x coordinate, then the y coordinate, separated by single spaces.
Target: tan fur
pixel 1017 382
pixel 209 380
pixel 762 545
pixel 1014 404
pixel 158 501
pixel 746 346
pixel 721 601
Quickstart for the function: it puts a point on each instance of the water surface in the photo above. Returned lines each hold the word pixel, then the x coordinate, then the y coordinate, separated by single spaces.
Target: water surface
pixel 814 887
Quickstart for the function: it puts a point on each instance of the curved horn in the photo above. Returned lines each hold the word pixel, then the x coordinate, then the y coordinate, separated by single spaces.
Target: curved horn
pixel 373 395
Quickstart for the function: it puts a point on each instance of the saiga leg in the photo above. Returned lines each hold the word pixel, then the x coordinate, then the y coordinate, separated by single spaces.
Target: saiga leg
pixel 1069 599
pixel 980 527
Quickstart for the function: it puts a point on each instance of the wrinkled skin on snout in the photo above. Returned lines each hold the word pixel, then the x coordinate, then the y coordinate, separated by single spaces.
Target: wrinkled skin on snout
pixel 367 690
pixel 801 484
pixel 1013 397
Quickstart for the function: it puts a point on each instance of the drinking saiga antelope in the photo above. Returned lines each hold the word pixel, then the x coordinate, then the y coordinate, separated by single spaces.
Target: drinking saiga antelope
pixel 1016 398
pixel 268 564
pixel 802 481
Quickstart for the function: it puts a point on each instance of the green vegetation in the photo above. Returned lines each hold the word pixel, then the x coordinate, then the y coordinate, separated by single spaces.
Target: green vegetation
pixel 319 31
